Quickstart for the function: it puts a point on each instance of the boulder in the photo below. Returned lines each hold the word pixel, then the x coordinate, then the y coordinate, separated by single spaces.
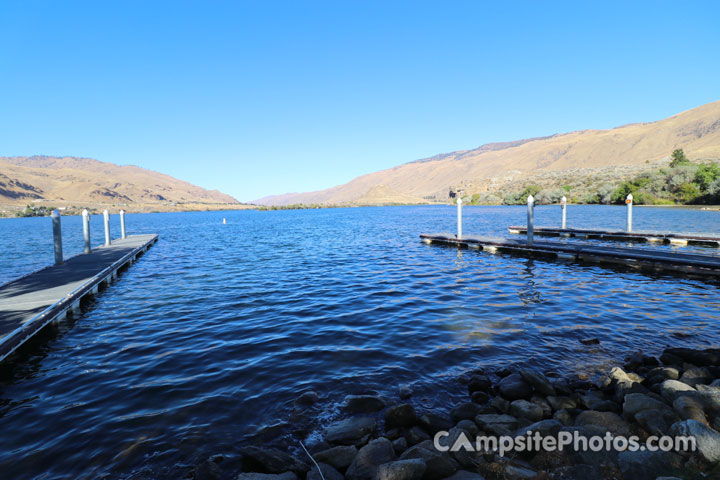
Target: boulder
pixel 690 408
pixel 369 458
pixel 516 472
pixel 271 460
pixel 438 464
pixel 498 424
pixel 594 400
pixel 537 382
pixel 514 387
pixel 564 416
pixel 207 470
pixel 350 431
pixel 660 374
pixel 363 404
pixel 410 469
pixel 339 457
pixel 544 427
pixel 575 472
pixel 637 402
pixel 479 383
pixel 402 415
pixel 465 411
pixel 465 475
pixel 710 397
pixel 608 420
pixel 481 398
pixel 525 409
pixel 694 376
pixel 267 476
pixel 328 473
pixel 671 389
pixel 416 435
pixel 646 465
pixel 656 422
pixel 558 403
pixel 707 439
pixel 405 392
pixel 696 357
pixel 469 426
pixel 433 423
pixel 307 398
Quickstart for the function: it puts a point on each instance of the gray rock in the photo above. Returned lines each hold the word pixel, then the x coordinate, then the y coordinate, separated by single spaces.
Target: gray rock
pixel 660 374
pixel 328 473
pixel 537 382
pixel 559 403
pixel 411 469
pixel 594 400
pixel 267 476
pixel 542 403
pixel 708 440
pixel 465 411
pixel 656 422
pixel 497 424
pixel 514 387
pixel 671 389
pixel 469 426
pixel 271 460
pixel 690 408
pixel 637 402
pixel 646 465
pixel 480 398
pixel 350 430
pixel 544 427
pixel 479 383
pixel 307 398
pixel 439 464
pixel 710 396
pixel 400 445
pixel 608 420
pixel 363 404
pixel 590 457
pixel 525 409
pixel 465 475
pixel 500 404
pixel 695 376
pixel 339 457
pixel 405 392
pixel 619 375
pixel 433 423
pixel 697 357
pixel 625 388
pixel 369 458
pixel 715 383
pixel 563 416
pixel 402 415
pixel 416 435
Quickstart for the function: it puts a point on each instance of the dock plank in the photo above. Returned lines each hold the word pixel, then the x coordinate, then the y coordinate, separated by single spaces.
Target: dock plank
pixel 654 259
pixel 29 303
pixel 676 238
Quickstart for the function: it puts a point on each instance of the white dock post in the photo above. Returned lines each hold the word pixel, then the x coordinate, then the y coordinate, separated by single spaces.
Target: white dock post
pixel 106 218
pixel 563 205
pixel 122 224
pixel 530 219
pixel 459 218
pixel 57 237
pixel 86 230
pixel 629 203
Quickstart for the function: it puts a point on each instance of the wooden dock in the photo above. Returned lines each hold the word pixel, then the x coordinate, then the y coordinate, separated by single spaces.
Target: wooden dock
pixel 30 303
pixel 652 260
pixel 622 236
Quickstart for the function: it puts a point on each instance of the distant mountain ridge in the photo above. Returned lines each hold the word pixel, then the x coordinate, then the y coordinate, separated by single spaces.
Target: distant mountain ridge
pixel 697 131
pixel 87 181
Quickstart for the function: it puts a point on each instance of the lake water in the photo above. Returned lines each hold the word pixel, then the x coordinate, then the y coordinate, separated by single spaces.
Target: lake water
pixel 219 328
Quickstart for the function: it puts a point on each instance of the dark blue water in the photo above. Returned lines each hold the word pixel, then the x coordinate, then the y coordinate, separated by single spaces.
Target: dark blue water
pixel 218 328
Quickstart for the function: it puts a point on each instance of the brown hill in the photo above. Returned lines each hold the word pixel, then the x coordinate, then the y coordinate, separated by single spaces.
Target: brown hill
pixel 84 181
pixel 697 131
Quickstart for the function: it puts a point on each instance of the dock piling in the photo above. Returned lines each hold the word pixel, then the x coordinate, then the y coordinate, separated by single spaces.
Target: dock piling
pixel 563 205
pixel 122 224
pixel 86 230
pixel 530 219
pixel 57 237
pixel 459 218
pixel 106 219
pixel 629 203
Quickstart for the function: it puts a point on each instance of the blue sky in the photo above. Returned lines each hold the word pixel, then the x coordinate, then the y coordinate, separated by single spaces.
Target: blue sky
pixel 262 97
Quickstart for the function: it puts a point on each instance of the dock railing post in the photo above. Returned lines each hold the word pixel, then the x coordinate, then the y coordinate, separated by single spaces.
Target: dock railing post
pixel 459 218
pixel 106 218
pixel 530 219
pixel 57 236
pixel 629 203
pixel 122 224
pixel 563 205
pixel 86 230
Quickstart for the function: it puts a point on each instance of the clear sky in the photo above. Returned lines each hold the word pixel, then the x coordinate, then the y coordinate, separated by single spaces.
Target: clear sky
pixel 262 97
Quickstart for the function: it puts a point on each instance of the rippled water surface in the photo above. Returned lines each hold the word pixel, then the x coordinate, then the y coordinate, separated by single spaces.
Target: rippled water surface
pixel 218 328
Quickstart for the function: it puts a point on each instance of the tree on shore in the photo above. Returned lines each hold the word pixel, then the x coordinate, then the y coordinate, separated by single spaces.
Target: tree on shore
pixel 678 158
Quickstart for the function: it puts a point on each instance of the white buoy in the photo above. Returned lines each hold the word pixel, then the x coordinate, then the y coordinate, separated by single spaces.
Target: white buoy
pixel 224 222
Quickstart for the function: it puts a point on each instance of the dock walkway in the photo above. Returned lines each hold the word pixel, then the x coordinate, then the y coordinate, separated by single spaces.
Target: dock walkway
pixel 619 235
pixel 655 260
pixel 31 302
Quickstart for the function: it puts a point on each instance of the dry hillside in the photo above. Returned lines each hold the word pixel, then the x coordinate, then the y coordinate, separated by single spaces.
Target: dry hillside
pixel 697 131
pixel 84 181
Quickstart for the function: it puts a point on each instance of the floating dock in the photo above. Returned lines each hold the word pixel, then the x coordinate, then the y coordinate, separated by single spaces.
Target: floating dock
pixel 653 260
pixel 30 303
pixel 680 239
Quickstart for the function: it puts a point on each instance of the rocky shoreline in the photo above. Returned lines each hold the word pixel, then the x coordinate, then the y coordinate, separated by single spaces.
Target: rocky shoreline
pixel 388 439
